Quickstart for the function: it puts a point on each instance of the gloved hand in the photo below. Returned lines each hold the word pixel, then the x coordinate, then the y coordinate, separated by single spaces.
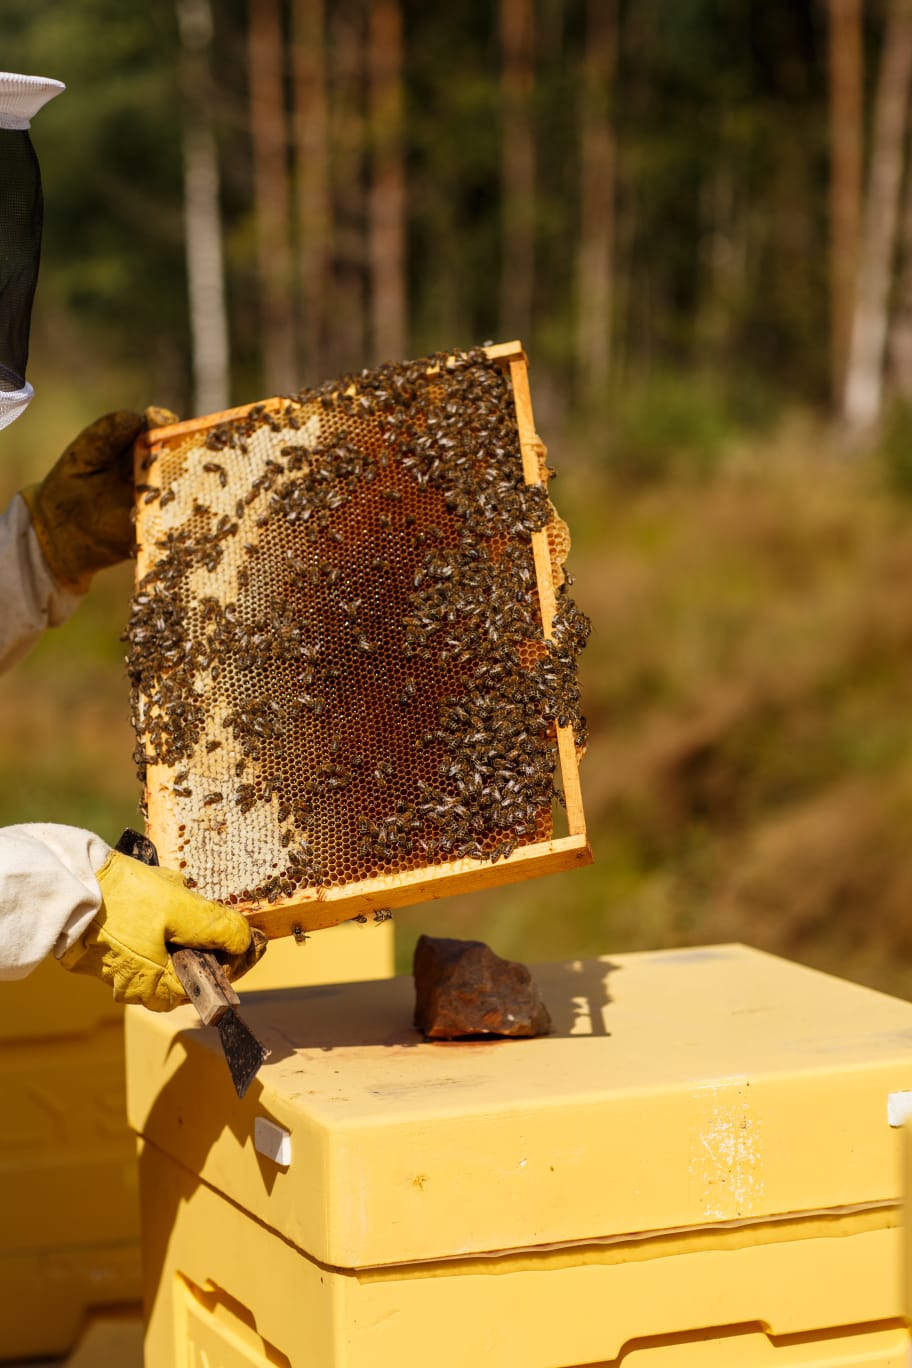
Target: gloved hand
pixel 144 908
pixel 82 510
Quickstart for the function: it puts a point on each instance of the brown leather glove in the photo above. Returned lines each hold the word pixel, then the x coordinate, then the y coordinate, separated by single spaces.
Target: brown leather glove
pixel 82 511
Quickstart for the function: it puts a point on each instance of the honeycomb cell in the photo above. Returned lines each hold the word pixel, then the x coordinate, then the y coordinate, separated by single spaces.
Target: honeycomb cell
pixel 336 650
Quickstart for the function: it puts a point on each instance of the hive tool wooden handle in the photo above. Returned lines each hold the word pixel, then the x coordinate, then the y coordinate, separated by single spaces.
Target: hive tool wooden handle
pixel 202 977
pixel 206 984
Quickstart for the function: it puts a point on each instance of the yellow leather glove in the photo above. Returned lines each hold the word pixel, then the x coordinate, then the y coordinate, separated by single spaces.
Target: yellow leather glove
pixel 82 511
pixel 144 910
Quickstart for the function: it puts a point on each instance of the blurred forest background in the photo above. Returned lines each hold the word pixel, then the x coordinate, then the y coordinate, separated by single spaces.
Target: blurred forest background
pixel 698 218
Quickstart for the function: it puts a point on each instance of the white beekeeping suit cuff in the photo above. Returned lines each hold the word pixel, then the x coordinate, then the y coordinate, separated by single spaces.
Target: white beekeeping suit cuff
pixel 31 599
pixel 14 402
pixel 48 891
pixel 21 97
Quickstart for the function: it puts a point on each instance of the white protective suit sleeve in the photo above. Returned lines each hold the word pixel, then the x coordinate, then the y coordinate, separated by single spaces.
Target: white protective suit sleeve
pixel 30 599
pixel 48 889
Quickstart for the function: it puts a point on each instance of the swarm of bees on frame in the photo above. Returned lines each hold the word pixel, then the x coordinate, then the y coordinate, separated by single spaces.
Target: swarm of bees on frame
pixel 338 655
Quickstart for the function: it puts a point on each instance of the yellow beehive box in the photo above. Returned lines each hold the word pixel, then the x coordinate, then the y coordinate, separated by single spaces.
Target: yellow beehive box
pixel 696 1168
pixel 341 954
pixel 901 1116
pixel 69 1231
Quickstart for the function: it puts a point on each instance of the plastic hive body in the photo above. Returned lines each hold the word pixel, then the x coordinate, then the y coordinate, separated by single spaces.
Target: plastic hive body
pixel 353 659
pixel 906 1104
pixel 695 1169
pixel 69 1234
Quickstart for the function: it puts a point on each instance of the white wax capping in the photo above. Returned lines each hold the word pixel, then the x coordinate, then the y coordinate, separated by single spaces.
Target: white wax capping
pixel 21 97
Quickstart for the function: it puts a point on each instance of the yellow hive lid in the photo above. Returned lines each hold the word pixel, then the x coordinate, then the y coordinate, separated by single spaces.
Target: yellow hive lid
pixel 679 1090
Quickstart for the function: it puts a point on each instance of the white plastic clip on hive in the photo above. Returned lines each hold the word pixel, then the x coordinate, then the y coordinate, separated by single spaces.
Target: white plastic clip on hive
pixel 353 655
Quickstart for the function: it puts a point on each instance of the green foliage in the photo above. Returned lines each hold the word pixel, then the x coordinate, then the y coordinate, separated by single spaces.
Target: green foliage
pixel 667 424
pixel 676 425
pixel 895 447
pixel 453 169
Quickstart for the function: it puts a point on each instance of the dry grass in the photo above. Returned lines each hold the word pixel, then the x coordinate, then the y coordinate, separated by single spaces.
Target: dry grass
pixel 65 734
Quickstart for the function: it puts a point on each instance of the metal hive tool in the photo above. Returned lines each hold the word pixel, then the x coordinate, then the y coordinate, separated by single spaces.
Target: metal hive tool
pixel 208 988
pixel 351 647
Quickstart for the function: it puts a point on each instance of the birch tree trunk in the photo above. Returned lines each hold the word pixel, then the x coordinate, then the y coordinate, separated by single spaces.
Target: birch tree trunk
pixel 865 378
pixel 517 268
pixel 387 188
pixel 597 191
pixel 846 125
pixel 271 194
pixel 202 214
pixel 311 144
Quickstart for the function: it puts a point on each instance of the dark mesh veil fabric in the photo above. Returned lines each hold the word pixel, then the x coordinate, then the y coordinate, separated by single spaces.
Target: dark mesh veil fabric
pixel 21 210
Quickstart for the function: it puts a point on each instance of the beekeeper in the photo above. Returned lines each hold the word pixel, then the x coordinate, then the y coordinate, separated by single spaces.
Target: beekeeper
pixel 64 891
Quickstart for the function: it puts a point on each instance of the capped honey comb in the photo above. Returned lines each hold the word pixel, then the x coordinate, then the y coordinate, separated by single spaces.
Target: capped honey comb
pixel 352 652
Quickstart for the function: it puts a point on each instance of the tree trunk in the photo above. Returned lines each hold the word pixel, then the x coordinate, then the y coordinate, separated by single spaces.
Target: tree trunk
pixel 597 189
pixel 387 188
pixel 900 341
pixel 864 380
pixel 271 194
pixel 346 336
pixel 311 142
pixel 846 126
pixel 517 268
pixel 202 214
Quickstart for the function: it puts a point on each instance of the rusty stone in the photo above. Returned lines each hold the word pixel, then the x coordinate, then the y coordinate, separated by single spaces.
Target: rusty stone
pixel 463 989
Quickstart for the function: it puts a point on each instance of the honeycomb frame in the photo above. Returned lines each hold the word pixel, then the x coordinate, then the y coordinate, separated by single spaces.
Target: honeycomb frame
pixel 175 821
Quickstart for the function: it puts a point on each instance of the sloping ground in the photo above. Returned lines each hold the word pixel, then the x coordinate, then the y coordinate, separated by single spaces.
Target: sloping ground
pixel 749 692
pixel 756 770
